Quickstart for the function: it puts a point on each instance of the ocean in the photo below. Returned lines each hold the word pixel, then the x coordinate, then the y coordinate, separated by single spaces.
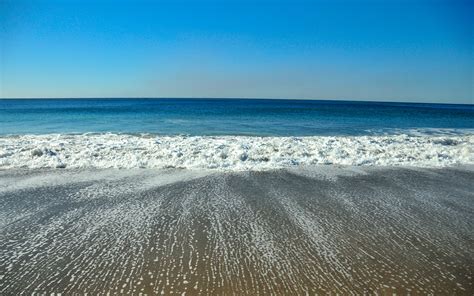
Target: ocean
pixel 199 117
pixel 231 134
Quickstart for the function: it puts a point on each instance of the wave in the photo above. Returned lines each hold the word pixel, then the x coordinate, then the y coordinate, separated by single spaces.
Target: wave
pixel 231 152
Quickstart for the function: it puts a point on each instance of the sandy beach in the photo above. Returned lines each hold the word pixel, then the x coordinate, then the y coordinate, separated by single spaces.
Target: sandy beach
pixel 286 232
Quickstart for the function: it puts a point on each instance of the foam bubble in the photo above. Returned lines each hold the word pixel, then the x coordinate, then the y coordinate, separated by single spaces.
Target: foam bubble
pixel 234 153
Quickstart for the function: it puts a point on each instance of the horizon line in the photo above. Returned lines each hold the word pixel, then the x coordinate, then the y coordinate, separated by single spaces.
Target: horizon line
pixel 229 98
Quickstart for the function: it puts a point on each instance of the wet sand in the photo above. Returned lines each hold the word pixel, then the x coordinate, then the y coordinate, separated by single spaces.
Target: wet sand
pixel 286 232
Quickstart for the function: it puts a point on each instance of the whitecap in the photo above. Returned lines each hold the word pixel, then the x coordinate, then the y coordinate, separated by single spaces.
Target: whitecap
pixel 232 153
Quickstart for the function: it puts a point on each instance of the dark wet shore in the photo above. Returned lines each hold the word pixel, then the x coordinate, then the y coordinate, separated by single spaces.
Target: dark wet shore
pixel 285 232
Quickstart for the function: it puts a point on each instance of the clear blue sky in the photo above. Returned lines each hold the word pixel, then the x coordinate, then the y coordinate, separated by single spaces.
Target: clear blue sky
pixel 416 51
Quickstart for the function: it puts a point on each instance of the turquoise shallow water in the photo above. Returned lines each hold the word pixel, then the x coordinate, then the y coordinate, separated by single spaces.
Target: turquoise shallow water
pixel 229 117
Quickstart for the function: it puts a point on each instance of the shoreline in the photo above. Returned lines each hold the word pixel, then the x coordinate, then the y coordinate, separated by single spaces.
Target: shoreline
pixel 287 231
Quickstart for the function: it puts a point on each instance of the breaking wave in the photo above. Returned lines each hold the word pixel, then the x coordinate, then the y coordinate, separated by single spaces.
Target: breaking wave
pixel 231 152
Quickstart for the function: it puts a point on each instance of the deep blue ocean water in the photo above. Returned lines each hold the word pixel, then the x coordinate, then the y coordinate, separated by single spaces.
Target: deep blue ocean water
pixel 228 117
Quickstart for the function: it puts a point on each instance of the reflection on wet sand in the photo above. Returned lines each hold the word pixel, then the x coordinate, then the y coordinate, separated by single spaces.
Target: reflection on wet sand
pixel 250 233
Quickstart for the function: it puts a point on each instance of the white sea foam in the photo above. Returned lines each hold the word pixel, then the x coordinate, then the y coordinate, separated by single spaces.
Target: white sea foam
pixel 231 152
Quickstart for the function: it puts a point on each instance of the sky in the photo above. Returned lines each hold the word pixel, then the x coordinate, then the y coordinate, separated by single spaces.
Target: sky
pixel 410 51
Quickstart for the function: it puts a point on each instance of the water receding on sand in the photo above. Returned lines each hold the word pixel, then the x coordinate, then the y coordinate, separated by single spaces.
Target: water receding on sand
pixel 274 232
